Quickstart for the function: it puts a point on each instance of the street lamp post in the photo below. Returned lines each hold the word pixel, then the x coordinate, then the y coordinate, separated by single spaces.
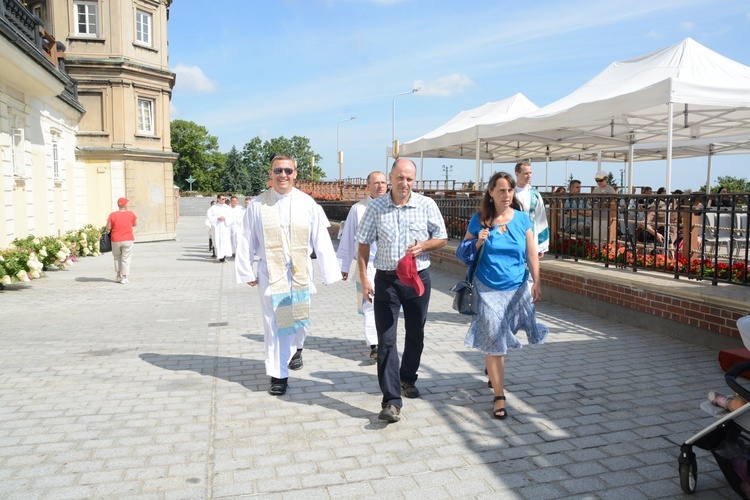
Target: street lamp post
pixel 340 153
pixel 394 151
pixel 447 169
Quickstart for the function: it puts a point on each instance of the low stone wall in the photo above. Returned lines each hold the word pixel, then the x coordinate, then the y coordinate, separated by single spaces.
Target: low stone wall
pixel 663 306
pixel 694 311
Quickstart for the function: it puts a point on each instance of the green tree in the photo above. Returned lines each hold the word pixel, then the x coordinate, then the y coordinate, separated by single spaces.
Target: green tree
pixel 254 159
pixel 199 156
pixel 257 155
pixel 733 185
pixel 235 176
pixel 298 148
pixel 611 180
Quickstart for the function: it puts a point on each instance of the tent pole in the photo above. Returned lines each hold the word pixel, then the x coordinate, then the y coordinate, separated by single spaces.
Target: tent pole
pixel 708 170
pixel 421 169
pixel 546 173
pixel 630 167
pixel 476 164
pixel 670 121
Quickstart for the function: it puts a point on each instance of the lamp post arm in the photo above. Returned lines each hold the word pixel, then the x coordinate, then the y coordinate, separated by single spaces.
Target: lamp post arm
pixel 393 129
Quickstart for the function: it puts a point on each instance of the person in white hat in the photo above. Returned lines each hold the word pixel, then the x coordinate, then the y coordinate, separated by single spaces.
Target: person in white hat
pixel 602 183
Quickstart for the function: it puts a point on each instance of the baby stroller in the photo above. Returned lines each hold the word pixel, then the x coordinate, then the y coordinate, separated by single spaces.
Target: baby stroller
pixel 728 439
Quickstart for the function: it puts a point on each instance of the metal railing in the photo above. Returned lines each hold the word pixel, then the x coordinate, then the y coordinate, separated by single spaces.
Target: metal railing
pixel 696 236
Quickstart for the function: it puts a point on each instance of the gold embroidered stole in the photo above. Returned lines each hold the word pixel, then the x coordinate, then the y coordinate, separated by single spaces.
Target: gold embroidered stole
pixel 291 302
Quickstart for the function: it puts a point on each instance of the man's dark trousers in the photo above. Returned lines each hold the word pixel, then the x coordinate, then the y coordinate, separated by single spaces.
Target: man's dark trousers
pixel 390 296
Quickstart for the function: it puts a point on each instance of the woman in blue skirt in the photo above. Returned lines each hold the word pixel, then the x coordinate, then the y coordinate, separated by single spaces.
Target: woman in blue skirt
pixel 500 243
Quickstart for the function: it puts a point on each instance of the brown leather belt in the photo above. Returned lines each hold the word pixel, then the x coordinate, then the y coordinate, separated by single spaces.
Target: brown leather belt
pixel 390 273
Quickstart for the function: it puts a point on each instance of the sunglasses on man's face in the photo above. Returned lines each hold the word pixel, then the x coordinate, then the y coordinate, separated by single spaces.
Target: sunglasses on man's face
pixel 279 170
pixel 600 180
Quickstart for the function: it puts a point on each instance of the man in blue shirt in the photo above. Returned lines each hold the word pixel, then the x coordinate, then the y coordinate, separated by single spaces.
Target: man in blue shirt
pixel 401 223
pixel 578 212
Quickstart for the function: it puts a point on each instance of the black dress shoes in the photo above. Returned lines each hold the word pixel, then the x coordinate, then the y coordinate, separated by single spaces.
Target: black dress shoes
pixel 296 362
pixel 278 386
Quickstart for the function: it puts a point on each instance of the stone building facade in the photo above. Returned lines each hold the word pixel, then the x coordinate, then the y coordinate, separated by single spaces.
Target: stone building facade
pixel 39 114
pixel 116 52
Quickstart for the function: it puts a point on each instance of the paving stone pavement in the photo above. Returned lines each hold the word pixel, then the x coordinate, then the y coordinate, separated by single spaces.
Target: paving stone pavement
pixel 157 389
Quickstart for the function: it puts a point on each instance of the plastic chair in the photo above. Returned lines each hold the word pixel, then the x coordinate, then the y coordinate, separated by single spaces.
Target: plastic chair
pixel 712 228
pixel 741 232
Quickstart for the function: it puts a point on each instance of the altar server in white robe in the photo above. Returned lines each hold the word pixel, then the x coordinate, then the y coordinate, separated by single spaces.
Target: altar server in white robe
pixel 281 227
pixel 238 213
pixel 220 217
pixel 210 228
pixel 532 203
pixel 377 186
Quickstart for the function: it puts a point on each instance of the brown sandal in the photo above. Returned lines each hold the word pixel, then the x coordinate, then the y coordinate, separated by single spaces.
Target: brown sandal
pixel 500 413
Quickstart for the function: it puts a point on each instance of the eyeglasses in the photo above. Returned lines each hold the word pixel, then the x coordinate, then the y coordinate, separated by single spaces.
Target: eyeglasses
pixel 279 170
pixel 600 180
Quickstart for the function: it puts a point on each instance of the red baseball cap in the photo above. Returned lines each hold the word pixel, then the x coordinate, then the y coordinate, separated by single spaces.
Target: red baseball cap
pixel 122 202
pixel 408 274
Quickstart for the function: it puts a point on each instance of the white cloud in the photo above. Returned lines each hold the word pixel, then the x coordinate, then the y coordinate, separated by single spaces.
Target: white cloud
pixel 174 111
pixel 455 83
pixel 192 79
pixel 687 26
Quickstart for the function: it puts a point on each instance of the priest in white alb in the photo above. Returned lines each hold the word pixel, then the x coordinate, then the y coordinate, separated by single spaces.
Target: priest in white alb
pixel 220 217
pixel 282 226
pixel 377 186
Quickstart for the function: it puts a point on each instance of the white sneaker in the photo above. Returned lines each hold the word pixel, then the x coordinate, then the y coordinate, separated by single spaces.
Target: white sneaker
pixel 118 279
pixel 124 281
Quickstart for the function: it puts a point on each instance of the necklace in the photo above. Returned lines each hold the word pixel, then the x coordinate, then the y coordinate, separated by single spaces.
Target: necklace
pixel 502 223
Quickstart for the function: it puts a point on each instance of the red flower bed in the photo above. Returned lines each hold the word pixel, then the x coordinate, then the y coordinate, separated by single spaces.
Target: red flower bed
pixel 663 262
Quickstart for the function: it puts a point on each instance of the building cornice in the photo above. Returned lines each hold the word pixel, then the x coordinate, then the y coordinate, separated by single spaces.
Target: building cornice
pixel 125 154
pixel 110 64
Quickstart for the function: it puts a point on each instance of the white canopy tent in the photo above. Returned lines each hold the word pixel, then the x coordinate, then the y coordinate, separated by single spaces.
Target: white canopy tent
pixel 657 106
pixel 458 138
pixel 682 93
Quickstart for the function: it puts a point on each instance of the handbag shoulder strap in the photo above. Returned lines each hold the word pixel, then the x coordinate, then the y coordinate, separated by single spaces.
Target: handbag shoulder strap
pixel 473 268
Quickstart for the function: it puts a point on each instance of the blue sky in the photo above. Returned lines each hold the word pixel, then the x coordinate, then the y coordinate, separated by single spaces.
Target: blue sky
pixel 275 68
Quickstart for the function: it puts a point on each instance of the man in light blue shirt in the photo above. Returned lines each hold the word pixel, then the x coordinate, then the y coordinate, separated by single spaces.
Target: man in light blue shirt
pixel 401 222
pixel 577 211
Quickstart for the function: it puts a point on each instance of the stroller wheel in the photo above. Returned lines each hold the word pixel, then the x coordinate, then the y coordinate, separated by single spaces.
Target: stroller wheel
pixel 689 474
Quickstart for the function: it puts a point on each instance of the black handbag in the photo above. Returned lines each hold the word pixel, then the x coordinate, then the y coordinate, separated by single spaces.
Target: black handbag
pixel 105 243
pixel 466 299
